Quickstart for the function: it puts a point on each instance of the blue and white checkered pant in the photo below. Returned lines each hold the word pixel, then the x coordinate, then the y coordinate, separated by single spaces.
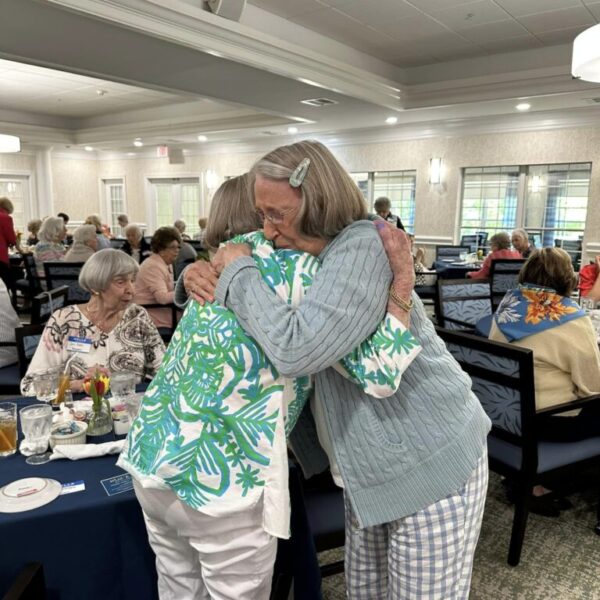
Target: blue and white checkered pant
pixel 428 554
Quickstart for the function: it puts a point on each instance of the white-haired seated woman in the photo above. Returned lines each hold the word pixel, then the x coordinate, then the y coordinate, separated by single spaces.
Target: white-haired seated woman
pixel 50 246
pixel 85 243
pixel 109 330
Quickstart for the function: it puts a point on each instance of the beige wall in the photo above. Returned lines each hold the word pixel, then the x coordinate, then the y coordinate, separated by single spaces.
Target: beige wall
pixel 76 181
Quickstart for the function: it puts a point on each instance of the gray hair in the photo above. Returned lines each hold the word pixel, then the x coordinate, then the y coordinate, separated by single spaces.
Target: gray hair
pixel 52 229
pixel 84 233
pixel 104 266
pixel 501 239
pixel 180 225
pixel 133 227
pixel 34 225
pixel 7 205
pixel 330 199
pixel 382 203
pixel 521 233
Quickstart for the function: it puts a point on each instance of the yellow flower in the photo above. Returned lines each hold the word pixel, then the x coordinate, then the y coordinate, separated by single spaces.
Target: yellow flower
pixel 545 306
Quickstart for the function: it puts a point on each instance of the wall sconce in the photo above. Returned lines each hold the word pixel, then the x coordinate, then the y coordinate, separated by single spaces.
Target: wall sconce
pixel 9 143
pixel 211 179
pixel 435 170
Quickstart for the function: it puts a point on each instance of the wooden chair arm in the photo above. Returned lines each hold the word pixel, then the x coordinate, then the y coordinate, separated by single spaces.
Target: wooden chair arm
pixel 567 406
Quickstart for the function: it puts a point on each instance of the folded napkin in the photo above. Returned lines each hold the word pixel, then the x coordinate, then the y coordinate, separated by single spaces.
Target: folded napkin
pixel 77 451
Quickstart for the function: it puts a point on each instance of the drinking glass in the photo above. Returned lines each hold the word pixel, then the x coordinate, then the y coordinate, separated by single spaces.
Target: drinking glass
pixel 45 384
pixel 122 385
pixel 36 423
pixel 8 428
pixel 463 256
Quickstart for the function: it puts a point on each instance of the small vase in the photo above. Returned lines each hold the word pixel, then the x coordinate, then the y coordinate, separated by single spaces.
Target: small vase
pixel 100 422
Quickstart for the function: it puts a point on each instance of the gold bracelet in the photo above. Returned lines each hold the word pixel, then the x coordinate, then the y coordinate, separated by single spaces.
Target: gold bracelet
pixel 400 302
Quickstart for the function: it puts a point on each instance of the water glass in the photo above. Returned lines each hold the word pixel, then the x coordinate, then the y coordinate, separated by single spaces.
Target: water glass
pixel 8 428
pixel 587 304
pixel 45 384
pixel 36 423
pixel 122 385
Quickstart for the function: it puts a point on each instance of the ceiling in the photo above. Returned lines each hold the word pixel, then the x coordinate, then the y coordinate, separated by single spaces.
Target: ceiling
pixel 102 74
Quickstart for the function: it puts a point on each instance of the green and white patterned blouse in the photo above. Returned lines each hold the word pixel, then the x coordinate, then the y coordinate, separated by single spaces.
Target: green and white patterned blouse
pixel 213 423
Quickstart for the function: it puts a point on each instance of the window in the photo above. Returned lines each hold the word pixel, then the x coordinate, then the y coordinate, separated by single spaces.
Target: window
pixel 114 194
pixel 398 186
pixel 549 201
pixel 16 189
pixel 177 198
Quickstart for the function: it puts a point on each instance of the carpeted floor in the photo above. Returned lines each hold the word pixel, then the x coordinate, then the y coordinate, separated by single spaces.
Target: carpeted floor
pixel 560 560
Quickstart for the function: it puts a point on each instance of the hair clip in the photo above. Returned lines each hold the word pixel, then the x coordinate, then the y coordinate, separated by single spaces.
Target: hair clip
pixel 297 177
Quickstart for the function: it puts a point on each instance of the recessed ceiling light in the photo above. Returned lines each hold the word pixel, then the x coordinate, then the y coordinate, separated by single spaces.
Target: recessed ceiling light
pixel 131 154
pixel 202 138
pixel 391 120
pixel 523 106
pixel 292 130
pixel 138 143
pixel 101 92
pixel 88 149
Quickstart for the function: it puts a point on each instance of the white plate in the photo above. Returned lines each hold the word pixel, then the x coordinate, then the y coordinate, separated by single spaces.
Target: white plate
pixel 27 494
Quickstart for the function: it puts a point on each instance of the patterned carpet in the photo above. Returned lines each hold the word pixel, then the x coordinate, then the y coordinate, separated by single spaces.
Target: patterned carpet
pixel 560 560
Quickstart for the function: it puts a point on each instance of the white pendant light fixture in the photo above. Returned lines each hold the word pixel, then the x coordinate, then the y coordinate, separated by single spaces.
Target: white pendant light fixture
pixel 586 55
pixel 9 143
pixel 435 170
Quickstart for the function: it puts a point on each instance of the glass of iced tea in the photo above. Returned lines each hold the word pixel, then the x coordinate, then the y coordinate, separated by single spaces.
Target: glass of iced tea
pixel 8 428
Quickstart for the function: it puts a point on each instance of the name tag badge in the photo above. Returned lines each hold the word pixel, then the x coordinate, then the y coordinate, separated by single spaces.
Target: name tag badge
pixel 78 344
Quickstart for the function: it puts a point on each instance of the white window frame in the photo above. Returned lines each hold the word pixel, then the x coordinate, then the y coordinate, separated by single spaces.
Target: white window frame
pixel 27 180
pixel 105 183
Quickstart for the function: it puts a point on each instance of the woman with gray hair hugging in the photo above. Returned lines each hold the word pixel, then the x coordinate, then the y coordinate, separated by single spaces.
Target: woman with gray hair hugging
pixel 108 331
pixel 85 243
pixel 50 247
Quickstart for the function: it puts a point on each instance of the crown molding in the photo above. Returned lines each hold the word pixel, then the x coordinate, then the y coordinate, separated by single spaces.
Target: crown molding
pixel 191 26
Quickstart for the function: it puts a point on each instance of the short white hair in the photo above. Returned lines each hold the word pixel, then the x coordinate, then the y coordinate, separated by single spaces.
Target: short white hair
pixel 521 233
pixel 51 230
pixel 84 234
pixel 180 224
pixel 133 227
pixel 104 266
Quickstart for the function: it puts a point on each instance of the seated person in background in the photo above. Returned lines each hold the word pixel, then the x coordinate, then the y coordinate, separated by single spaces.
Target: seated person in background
pixel 33 227
pixel 50 246
pixel 540 315
pixel 499 248
pixel 418 255
pixel 383 207
pixel 155 283
pixel 186 256
pixel 85 243
pixel 202 221
pixel 180 226
pixel 65 217
pixel 116 334
pixel 589 282
pixel 520 242
pixel 103 241
pixel 8 323
pixel 136 245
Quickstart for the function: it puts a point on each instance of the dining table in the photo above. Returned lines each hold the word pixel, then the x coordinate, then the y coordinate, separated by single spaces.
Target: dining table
pixel 93 546
pixel 453 268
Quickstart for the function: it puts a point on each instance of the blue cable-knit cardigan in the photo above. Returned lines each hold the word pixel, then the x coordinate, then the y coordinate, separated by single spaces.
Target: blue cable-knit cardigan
pixel 398 454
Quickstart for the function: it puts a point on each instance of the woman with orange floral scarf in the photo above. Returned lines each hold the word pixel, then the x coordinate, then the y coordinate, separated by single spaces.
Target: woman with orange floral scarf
pixel 541 315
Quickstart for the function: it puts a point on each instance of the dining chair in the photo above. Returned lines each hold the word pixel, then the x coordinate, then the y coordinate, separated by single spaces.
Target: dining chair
pixel 453 252
pixel 461 303
pixel 166 333
pixel 27 338
pixel 117 243
pixel 502 379
pixel 470 240
pixel 59 273
pixel 504 273
pixel 30 285
pixel 45 303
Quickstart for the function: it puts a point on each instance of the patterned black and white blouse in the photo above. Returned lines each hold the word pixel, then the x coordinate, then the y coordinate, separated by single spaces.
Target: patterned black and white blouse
pixel 134 345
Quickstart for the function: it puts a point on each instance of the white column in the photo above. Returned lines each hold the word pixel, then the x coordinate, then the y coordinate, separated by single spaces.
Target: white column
pixel 43 178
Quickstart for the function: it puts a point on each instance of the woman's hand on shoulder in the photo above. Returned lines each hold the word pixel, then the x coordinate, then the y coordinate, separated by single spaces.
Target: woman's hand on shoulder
pixel 228 253
pixel 200 280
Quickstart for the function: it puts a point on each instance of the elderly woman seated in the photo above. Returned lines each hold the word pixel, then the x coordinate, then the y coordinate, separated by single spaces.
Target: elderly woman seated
pixel 500 248
pixel 85 243
pixel 103 241
pixel 155 283
pixel 33 227
pixel 50 247
pixel 541 315
pixel 136 245
pixel 108 331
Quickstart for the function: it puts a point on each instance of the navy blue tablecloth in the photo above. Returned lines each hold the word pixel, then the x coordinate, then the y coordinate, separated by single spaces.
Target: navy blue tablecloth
pixel 92 546
pixel 446 270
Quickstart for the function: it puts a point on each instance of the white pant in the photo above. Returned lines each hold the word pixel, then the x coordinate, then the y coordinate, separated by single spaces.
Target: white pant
pixel 199 557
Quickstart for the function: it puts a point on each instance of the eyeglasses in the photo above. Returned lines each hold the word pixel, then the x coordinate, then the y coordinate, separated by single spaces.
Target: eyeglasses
pixel 275 217
pixel 174 247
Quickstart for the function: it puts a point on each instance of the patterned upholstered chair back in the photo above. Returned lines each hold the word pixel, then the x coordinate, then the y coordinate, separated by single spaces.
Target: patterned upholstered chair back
pixel 504 273
pixel 463 302
pixel 44 304
pixel 502 377
pixel 28 337
pixel 66 273
pixel 453 252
